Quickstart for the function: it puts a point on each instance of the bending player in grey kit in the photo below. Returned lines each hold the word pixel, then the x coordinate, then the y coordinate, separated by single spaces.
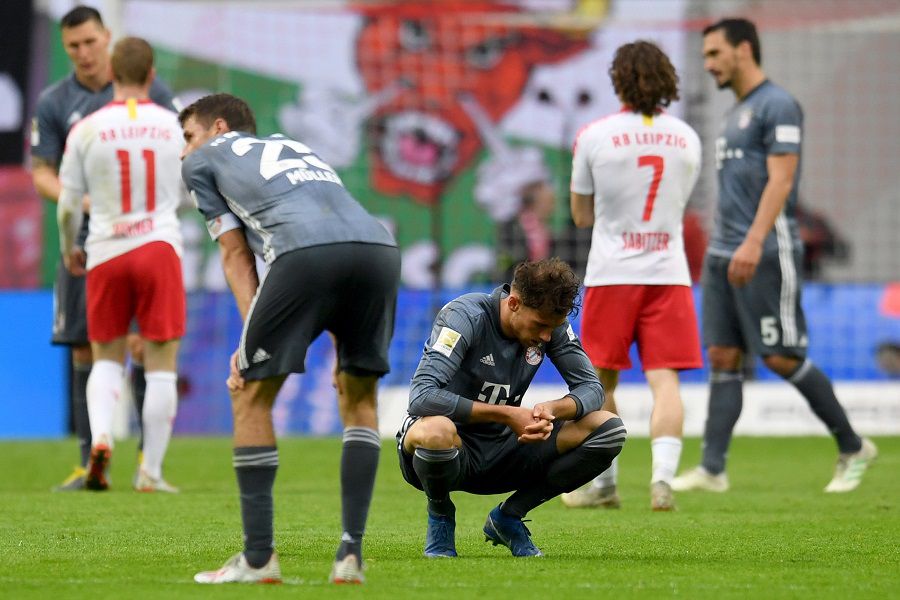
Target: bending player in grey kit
pixel 466 428
pixel 332 266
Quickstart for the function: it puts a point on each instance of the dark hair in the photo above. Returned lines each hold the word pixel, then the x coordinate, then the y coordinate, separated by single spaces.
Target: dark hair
pixel 643 77
pixel 547 285
pixel 132 60
pixel 207 109
pixel 737 31
pixel 79 15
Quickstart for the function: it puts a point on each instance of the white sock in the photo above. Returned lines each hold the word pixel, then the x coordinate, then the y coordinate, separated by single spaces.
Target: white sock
pixel 666 452
pixel 104 388
pixel 160 402
pixel 609 477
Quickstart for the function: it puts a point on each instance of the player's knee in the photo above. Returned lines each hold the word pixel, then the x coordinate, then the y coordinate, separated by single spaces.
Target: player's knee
pixel 724 358
pixel 82 355
pixel 593 420
pixel 608 437
pixel 433 433
pixel 783 365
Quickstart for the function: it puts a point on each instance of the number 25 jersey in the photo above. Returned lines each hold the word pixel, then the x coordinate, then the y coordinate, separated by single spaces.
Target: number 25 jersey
pixel 282 194
pixel 641 171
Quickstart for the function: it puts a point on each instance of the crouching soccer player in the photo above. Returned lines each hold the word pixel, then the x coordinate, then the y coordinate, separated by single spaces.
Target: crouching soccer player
pixel 466 428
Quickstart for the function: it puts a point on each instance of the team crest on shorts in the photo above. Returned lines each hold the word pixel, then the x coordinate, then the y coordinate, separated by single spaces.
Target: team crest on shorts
pixel 533 355
pixel 745 118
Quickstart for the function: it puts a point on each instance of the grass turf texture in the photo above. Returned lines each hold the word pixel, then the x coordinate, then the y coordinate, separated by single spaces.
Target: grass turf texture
pixel 774 535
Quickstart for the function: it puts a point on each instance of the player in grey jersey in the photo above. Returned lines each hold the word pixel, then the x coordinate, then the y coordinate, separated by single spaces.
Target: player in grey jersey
pixel 332 266
pixel 751 287
pixel 89 87
pixel 466 428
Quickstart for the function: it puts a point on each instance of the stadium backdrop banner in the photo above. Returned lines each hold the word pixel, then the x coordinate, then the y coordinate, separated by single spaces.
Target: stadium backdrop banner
pixel 434 117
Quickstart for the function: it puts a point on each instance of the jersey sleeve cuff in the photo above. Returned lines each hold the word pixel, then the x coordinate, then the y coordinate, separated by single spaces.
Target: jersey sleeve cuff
pixel 463 410
pixel 219 225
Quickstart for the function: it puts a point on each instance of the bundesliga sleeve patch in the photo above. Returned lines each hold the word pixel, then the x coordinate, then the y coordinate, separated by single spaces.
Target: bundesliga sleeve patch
pixel 787 134
pixel 446 341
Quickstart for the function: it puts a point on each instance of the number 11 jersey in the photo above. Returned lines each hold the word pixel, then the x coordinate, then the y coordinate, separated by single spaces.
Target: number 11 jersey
pixel 126 158
pixel 641 171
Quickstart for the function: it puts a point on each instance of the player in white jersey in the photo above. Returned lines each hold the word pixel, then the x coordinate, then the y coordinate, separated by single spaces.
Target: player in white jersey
pixel 632 175
pixel 126 157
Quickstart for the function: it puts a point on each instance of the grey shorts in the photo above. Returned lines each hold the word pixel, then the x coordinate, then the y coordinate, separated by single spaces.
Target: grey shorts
pixel 763 317
pixel 69 309
pixel 490 464
pixel 349 289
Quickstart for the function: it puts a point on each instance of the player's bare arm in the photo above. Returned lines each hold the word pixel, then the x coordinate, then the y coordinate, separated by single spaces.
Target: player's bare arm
pixel 582 207
pixel 526 427
pixel 69 218
pixel 781 169
pixel 240 268
pixel 564 409
pixel 45 178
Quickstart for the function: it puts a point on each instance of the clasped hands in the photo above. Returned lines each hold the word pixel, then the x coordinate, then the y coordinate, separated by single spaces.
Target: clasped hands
pixel 532 424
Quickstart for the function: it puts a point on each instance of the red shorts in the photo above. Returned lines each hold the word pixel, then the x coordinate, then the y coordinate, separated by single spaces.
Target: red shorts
pixel 145 283
pixel 660 318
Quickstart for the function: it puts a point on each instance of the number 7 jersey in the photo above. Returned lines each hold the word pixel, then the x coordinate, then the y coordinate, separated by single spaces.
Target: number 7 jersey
pixel 126 157
pixel 641 171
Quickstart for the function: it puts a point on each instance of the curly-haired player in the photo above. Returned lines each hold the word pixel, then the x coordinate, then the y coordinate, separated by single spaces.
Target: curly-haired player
pixel 466 428
pixel 632 175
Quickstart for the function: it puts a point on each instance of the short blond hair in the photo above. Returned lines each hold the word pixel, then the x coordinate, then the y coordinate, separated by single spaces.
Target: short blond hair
pixel 132 61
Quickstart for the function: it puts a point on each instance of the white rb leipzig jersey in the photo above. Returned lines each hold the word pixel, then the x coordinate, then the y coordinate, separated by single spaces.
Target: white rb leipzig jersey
pixel 127 158
pixel 641 171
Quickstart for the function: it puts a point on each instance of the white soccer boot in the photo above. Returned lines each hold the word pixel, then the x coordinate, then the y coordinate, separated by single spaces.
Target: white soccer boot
pixel 347 570
pixel 591 496
pixel 236 570
pixel 699 478
pixel 661 497
pixel 850 468
pixel 144 483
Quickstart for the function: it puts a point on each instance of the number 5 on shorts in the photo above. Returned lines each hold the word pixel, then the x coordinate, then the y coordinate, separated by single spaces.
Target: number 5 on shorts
pixel 768 329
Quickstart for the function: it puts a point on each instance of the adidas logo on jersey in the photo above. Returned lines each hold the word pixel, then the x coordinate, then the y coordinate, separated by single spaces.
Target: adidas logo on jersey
pixel 488 360
pixel 260 356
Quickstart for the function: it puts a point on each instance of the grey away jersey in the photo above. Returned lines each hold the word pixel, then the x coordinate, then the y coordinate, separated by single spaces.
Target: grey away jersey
pixel 467 359
pixel 282 194
pixel 767 121
pixel 65 103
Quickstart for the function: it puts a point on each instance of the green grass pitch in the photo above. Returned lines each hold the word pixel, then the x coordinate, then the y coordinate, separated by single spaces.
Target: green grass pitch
pixel 775 535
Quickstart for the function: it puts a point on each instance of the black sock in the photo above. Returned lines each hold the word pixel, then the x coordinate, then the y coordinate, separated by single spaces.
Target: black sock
pixel 438 471
pixel 819 393
pixel 138 390
pixel 359 463
pixel 726 399
pixel 255 467
pixel 571 470
pixel 80 375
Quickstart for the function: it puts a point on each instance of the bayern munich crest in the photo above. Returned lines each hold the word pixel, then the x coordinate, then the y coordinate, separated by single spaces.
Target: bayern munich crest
pixel 533 355
pixel 745 118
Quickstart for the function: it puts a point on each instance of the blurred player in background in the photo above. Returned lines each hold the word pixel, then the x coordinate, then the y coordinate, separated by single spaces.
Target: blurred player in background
pixel 466 428
pixel 126 157
pixel 332 266
pixel 632 176
pixel 86 41
pixel 751 283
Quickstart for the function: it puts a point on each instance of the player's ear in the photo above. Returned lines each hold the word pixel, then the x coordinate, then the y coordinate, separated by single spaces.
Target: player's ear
pixel 220 125
pixel 513 302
